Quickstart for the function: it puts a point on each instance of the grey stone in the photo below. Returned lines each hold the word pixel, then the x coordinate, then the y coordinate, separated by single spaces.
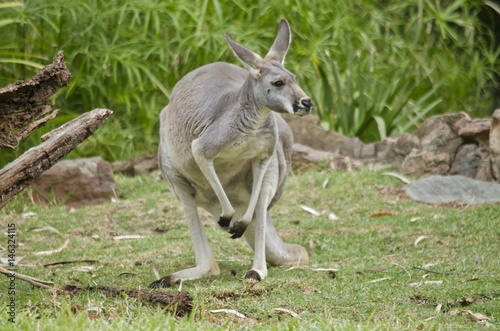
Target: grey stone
pixel 303 154
pixel 466 161
pixel 77 183
pixel 309 132
pixel 441 132
pixel 420 163
pixel 136 166
pixel 384 150
pixel 477 130
pixel 465 190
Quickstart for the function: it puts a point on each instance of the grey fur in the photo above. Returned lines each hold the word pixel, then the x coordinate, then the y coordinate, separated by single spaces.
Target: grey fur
pixel 223 148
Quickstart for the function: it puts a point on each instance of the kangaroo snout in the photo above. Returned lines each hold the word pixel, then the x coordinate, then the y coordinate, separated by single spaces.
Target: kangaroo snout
pixel 303 107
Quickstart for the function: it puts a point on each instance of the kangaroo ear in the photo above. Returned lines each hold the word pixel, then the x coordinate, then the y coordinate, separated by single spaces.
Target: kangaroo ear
pixel 250 60
pixel 281 43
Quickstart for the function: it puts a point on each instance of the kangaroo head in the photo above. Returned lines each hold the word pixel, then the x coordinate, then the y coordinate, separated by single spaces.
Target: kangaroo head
pixel 274 87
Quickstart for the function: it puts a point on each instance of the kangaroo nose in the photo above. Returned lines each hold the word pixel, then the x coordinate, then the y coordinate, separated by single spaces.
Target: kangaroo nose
pixel 306 103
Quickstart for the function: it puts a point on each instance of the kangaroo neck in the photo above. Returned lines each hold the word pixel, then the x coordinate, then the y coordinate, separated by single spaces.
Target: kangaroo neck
pixel 250 116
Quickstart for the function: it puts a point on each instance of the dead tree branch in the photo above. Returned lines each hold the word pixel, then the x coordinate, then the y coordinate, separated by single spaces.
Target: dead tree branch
pixel 23 104
pixel 21 172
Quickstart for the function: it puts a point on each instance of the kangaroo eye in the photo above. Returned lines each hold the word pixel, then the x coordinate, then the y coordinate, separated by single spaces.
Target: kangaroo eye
pixel 278 83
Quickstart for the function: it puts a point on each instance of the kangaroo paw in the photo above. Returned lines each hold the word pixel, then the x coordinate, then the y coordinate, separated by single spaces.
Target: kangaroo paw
pixel 224 221
pixel 166 281
pixel 252 274
pixel 237 230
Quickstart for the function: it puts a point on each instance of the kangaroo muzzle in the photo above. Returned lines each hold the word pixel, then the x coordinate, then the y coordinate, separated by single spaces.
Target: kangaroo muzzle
pixel 303 107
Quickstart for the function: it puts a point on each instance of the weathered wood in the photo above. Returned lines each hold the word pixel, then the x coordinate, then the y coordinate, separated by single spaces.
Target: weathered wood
pixel 179 303
pixel 39 88
pixel 21 172
pixel 23 104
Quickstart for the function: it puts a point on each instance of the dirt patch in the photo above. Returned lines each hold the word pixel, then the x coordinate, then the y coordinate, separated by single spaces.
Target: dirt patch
pixel 420 301
pixel 397 192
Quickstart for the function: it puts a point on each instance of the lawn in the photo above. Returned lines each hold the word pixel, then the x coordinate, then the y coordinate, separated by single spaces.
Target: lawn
pixel 394 263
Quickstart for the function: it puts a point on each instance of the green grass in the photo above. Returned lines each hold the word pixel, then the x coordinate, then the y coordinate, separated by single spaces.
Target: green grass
pixel 463 241
pixel 373 68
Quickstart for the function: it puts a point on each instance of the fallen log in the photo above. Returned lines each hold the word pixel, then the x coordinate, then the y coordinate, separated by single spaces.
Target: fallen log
pixel 15 176
pixel 177 302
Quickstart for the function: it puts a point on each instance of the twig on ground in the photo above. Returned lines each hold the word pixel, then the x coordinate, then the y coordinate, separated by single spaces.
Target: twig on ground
pixel 109 216
pixel 31 280
pixel 69 261
pixel 404 269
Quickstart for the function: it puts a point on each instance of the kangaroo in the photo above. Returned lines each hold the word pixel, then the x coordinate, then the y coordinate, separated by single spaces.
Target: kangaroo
pixel 223 148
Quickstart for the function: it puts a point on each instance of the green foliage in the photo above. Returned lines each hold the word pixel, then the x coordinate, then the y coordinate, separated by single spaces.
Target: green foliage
pixel 373 68
pixel 393 65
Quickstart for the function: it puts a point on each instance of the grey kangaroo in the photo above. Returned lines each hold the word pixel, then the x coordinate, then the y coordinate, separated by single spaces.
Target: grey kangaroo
pixel 223 148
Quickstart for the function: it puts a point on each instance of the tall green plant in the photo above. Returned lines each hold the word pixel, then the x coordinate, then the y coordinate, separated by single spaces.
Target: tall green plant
pixel 364 105
pixel 127 55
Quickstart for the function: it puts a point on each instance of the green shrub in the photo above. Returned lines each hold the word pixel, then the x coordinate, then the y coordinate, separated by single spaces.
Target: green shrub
pixel 373 68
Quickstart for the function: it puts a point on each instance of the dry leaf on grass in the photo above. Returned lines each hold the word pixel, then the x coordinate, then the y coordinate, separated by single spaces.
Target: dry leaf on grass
pixel 84 268
pixel 53 251
pixel 311 210
pixel 380 279
pixel 294 314
pixel 155 271
pixel 47 228
pixel 477 317
pixel 131 236
pixel 229 311
pixel 325 183
pixel 332 217
pixel 437 282
pixel 28 214
pixel 438 308
pixel 398 176
pixel 10 261
pixel 324 269
pixel 418 240
pixel 414 219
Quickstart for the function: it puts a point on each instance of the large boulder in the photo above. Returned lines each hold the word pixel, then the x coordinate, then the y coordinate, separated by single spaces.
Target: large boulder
pixel 76 183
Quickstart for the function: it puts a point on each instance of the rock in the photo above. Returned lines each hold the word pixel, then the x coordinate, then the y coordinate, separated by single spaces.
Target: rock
pixel 495 145
pixel 137 165
pixel 466 161
pixel 384 150
pixel 304 154
pixel 440 133
pixel 444 144
pixel 345 163
pixel 465 190
pixel 419 163
pixel 484 170
pixel 476 131
pixel 308 131
pixel 404 145
pixel 77 183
